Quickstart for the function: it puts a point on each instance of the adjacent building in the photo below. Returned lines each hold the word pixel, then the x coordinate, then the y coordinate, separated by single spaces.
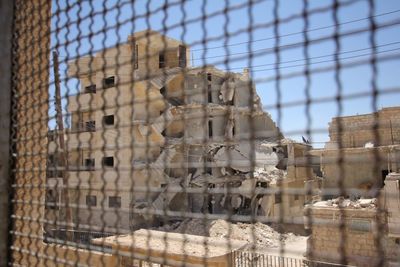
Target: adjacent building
pixel 358 221
pixel 362 151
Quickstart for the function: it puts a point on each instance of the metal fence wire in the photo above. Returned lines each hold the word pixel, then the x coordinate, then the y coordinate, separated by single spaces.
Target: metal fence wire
pixel 200 133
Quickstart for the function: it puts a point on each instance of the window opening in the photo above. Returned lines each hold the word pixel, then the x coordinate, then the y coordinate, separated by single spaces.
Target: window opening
pixel 89 164
pixel 210 128
pixel 108 161
pixel 90 89
pixel 109 82
pixel 114 202
pixel 182 56
pixel 91 201
pixel 161 60
pixel 108 120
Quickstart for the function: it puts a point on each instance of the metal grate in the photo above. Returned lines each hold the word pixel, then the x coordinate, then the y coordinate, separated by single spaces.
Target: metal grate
pixel 200 133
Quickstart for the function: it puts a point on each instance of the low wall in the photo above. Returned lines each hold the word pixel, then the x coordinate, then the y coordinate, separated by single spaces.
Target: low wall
pixel 58 255
pixel 360 232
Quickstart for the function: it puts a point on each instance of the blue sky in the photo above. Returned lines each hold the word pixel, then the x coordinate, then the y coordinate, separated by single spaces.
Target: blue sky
pixel 110 22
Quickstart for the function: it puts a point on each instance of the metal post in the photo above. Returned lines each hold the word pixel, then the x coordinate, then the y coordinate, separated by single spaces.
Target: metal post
pixel 391 131
pixel 6 22
pixel 60 133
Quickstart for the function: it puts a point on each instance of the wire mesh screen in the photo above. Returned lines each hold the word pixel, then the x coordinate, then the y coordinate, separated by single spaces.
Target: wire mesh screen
pixel 205 133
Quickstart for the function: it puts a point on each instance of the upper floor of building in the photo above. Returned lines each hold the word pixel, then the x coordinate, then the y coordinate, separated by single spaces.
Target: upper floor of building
pixel 381 128
pixel 145 54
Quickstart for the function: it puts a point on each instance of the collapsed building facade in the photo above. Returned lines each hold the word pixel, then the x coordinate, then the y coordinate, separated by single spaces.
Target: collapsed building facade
pixel 149 134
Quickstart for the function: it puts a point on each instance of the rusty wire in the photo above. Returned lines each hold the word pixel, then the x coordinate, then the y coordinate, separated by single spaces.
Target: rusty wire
pixel 158 139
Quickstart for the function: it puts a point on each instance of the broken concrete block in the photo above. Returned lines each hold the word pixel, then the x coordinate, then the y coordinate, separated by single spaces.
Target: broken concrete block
pixel 228 90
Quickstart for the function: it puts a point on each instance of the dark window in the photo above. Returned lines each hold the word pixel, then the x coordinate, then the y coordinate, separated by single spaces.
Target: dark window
pixel 163 91
pixel 384 173
pixel 108 120
pixel 182 56
pixel 90 89
pixel 108 161
pixel 51 159
pixel 209 77
pixel 136 59
pixel 54 173
pixel 55 160
pixel 114 202
pixel 161 60
pixel 91 201
pixel 296 197
pixel 51 136
pixel 278 198
pixel 89 164
pixel 207 164
pixel 209 93
pixel 210 128
pixel 135 54
pixel 109 82
pixel 90 126
pixel 51 199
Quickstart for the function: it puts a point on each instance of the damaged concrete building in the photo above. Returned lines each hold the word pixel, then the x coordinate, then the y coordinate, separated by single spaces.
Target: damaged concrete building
pixel 149 133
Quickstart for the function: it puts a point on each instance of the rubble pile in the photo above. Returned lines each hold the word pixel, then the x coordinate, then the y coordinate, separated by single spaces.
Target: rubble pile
pixel 261 235
pixel 340 202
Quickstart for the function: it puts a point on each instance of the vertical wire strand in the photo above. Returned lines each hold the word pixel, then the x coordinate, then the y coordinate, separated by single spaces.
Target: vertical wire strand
pixel 340 157
pixel 131 173
pixel 307 88
pixel 104 74
pixel 376 137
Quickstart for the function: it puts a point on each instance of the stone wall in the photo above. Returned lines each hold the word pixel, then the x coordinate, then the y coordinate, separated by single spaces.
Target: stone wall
pixel 358 130
pixel 360 232
pixel 30 117
pixel 57 255
pixel 360 168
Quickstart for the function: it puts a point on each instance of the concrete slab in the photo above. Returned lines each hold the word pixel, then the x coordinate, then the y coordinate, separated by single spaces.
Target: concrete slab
pixel 163 247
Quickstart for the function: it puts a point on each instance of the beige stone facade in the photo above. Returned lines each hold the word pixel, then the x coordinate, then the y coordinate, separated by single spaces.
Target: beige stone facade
pixel 359 156
pixel 113 124
pixel 355 240
pixel 379 128
pixel 354 236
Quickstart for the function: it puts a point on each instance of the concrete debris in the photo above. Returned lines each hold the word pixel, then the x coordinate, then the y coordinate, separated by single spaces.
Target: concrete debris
pixel 227 90
pixel 369 145
pixel 240 157
pixel 163 121
pixel 165 77
pixel 166 196
pixel 369 203
pixel 208 179
pixel 271 175
pixel 144 130
pixel 230 125
pixel 260 235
